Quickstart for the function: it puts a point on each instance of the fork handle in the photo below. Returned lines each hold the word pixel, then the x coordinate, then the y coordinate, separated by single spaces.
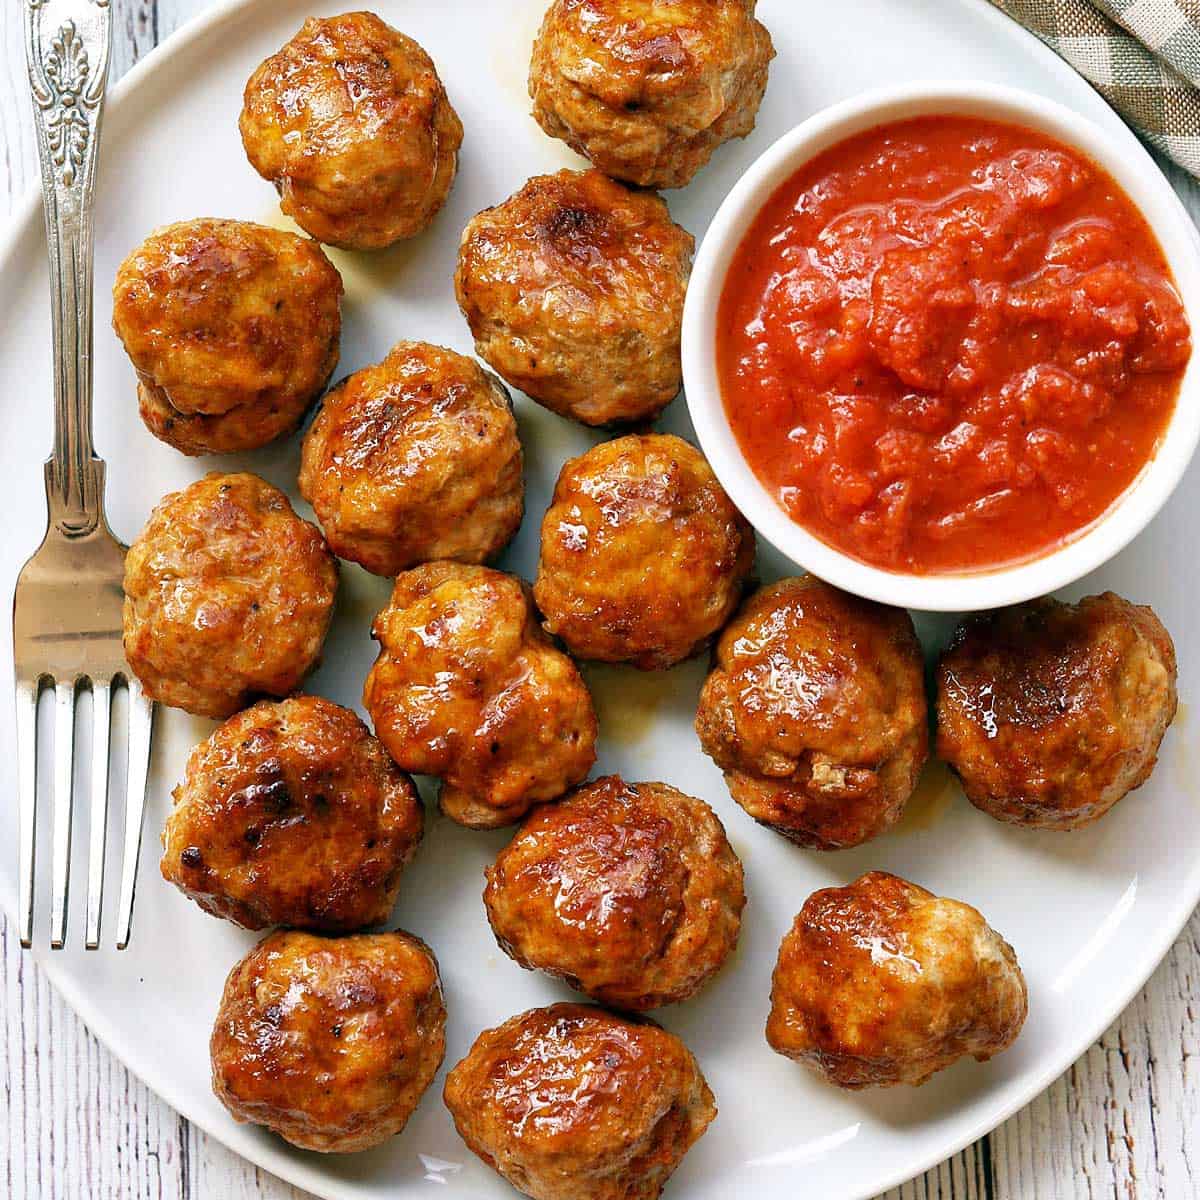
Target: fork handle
pixel 67 57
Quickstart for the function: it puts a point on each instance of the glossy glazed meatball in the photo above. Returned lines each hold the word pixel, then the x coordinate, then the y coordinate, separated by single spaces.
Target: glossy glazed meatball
pixel 233 329
pixel 330 1042
pixel 881 982
pixel 815 710
pixel 648 89
pixel 228 596
pixel 291 813
pixel 629 892
pixel 574 290
pixel 1049 713
pixel 413 459
pixel 643 556
pixel 573 1103
pixel 468 688
pixel 352 125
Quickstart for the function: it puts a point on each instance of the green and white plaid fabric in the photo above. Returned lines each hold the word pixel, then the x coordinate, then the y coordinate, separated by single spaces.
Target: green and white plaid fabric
pixel 1143 56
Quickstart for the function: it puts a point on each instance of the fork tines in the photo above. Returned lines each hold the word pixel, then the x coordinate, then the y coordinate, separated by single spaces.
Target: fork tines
pixel 140 718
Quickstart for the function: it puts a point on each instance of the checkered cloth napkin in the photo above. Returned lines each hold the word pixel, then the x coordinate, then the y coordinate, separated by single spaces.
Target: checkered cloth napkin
pixel 1143 56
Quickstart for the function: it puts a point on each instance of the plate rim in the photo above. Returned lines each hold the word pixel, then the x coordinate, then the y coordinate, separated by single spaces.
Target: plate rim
pixel 283 1162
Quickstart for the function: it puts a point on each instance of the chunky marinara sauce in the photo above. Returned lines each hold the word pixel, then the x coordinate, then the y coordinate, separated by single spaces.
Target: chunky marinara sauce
pixel 948 344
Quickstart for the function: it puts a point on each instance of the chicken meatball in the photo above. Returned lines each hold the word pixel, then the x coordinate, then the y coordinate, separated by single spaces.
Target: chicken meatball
pixel 228 596
pixel 352 125
pixel 629 892
pixel 574 289
pixel 291 813
pixel 468 688
pixel 330 1042
pixel 413 459
pixel 643 555
pixel 1049 713
pixel 881 982
pixel 573 1103
pixel 233 329
pixel 815 710
pixel 648 89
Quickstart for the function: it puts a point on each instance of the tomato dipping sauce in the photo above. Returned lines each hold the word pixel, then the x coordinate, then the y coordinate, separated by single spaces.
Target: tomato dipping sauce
pixel 949 344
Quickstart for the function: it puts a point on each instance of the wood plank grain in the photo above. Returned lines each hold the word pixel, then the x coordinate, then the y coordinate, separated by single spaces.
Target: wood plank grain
pixel 18 156
pixel 1123 1122
pixel 75 1122
pixel 135 32
pixel 963 1177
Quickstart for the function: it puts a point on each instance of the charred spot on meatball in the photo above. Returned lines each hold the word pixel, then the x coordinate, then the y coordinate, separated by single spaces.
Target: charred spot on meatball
pixel 329 1042
pixel 574 291
pixel 233 329
pixel 643 556
pixel 352 125
pixel 815 710
pixel 573 1103
pixel 414 459
pixel 1049 713
pixel 468 688
pixel 628 892
pixel 648 90
pixel 881 983
pixel 291 813
pixel 228 596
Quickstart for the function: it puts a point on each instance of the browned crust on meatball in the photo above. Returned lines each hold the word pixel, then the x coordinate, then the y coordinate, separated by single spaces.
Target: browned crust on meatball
pixel 815 710
pixel 881 983
pixel 351 123
pixel 573 1103
pixel 468 688
pixel 574 291
pixel 233 329
pixel 1050 713
pixel 291 813
pixel 629 892
pixel 643 555
pixel 330 1042
pixel 243 428
pixel 648 90
pixel 414 459
pixel 228 596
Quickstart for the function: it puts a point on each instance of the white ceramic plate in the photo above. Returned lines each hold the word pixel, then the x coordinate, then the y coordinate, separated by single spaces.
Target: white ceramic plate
pixel 1090 914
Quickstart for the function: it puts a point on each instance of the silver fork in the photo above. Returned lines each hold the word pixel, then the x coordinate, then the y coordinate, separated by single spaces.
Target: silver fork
pixel 67 609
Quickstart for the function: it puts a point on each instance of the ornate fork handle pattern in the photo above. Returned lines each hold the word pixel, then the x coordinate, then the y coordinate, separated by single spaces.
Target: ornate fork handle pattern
pixel 68 69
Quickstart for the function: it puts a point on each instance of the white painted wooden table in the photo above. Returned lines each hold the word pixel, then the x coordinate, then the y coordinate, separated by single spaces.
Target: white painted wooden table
pixel 1123 1122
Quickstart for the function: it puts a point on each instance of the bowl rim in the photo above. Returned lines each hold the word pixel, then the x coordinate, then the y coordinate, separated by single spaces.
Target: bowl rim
pixel 968 591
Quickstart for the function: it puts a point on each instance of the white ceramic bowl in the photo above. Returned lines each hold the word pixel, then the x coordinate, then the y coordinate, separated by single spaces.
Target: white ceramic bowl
pixel 969 591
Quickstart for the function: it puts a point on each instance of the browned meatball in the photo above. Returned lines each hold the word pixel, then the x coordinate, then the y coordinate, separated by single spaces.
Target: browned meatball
pixel 330 1042
pixel 291 813
pixel 413 459
pixel 881 982
pixel 468 688
pixel 233 329
pixel 629 892
pixel 574 291
pixel 352 125
pixel 815 710
pixel 573 1103
pixel 643 555
pixel 648 89
pixel 1049 712
pixel 228 596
